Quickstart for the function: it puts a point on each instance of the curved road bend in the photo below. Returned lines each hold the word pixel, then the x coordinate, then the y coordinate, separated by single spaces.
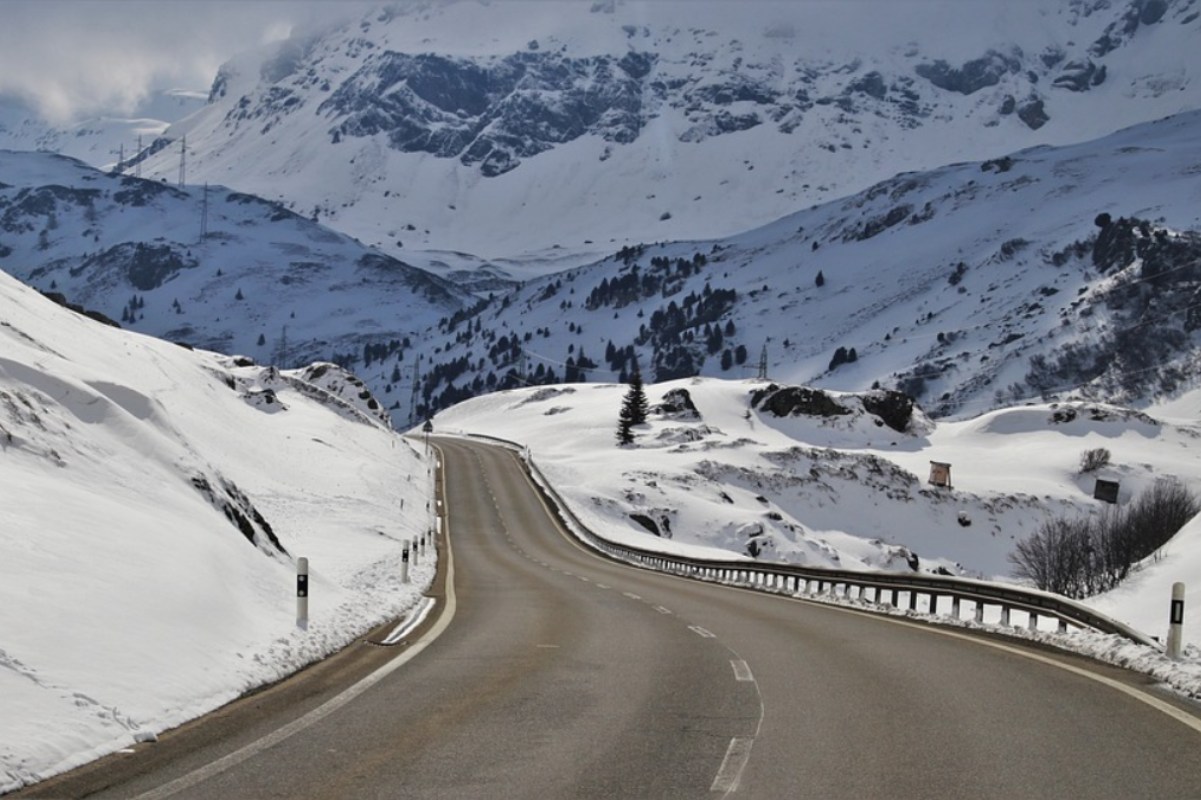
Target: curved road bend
pixel 564 675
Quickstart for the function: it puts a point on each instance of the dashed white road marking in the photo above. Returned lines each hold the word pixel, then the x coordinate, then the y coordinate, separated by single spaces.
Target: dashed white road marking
pixel 632 596
pixel 701 632
pixel 742 672
pixel 663 609
pixel 737 754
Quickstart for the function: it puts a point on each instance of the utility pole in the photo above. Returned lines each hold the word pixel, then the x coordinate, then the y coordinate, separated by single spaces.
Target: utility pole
pixel 137 167
pixel 763 363
pixel 204 214
pixel 120 159
pixel 281 349
pixel 183 160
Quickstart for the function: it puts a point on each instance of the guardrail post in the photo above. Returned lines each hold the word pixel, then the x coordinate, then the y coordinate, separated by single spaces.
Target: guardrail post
pixel 302 593
pixel 1176 622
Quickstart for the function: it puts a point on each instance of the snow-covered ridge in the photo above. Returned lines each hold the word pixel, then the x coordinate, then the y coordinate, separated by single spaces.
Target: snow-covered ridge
pixel 717 469
pixel 155 500
pixel 261 280
pixel 468 126
pixel 1049 273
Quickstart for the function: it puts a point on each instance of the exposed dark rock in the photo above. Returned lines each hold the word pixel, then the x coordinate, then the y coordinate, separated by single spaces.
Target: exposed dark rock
pixel 1033 113
pixel 145 266
pixel 973 75
pixel 677 404
pixel 1080 76
pixel 893 408
pixel 491 112
pixel 796 400
pixel 878 225
pixel 872 84
pixel 61 299
pixel 240 512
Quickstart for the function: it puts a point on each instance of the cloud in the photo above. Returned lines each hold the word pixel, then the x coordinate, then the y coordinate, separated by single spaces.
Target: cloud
pixel 68 59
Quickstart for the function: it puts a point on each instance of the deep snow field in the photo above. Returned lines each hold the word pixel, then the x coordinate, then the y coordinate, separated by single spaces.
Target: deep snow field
pixel 845 491
pixel 129 603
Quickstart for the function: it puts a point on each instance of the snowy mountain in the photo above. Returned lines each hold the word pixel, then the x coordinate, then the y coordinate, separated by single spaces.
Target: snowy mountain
pixel 262 281
pixel 104 141
pixel 969 287
pixel 537 136
pixel 1053 272
pixel 156 499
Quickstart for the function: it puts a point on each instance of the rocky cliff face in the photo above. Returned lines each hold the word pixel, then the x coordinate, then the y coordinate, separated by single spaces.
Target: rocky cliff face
pixel 619 123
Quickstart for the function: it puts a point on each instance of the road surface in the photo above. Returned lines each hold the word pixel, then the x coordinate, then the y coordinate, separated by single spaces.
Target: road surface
pixel 557 674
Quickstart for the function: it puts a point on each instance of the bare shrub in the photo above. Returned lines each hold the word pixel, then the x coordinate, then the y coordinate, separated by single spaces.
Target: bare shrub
pixel 1082 557
pixel 1092 460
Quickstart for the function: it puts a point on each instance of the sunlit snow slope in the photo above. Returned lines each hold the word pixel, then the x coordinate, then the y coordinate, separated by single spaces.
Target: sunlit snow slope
pixel 154 502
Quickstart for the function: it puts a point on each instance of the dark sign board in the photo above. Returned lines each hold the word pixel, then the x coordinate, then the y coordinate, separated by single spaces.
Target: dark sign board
pixel 1106 490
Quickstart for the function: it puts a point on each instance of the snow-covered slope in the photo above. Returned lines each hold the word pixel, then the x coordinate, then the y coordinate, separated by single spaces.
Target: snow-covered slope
pixel 155 501
pixel 263 281
pixel 1052 272
pixel 743 468
pixel 535 131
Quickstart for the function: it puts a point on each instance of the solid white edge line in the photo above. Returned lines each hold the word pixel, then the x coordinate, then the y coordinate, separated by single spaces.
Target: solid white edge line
pixel 1137 694
pixel 737 754
pixel 231 760
pixel 1130 691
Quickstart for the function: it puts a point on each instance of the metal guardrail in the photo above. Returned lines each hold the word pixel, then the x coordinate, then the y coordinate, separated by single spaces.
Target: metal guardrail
pixel 943 595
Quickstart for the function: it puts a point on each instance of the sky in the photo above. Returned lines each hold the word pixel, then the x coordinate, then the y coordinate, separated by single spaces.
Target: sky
pixel 70 59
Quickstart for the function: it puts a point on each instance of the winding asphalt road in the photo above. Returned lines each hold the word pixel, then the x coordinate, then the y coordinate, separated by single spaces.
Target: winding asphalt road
pixel 553 673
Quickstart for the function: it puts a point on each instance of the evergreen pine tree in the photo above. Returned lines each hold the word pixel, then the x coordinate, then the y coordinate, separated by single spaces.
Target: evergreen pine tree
pixel 821 279
pixel 636 397
pixel 633 409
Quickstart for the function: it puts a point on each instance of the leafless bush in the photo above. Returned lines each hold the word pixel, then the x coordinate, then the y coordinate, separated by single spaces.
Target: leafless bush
pixel 1092 460
pixel 1083 557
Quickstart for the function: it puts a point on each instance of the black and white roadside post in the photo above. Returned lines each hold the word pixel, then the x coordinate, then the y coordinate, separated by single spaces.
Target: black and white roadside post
pixel 302 593
pixel 415 552
pixel 1176 622
pixel 404 563
pixel 427 429
pixel 423 545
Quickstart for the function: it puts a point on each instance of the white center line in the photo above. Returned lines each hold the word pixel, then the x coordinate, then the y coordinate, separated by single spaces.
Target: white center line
pixel 737 754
